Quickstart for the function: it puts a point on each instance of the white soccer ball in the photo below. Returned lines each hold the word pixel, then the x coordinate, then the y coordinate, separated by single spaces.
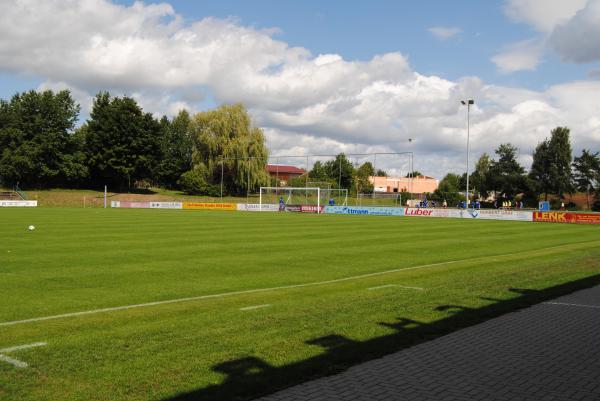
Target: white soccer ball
pixel 31 228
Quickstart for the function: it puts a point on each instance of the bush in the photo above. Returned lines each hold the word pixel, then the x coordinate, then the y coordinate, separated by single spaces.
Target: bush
pixel 193 183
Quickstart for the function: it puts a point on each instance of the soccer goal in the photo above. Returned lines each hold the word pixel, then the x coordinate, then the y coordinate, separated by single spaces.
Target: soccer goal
pixel 295 198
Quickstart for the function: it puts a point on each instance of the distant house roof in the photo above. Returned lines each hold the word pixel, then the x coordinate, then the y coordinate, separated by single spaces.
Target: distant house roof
pixel 278 168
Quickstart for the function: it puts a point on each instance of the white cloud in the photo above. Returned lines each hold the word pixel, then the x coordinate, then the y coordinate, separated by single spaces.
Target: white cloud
pixel 305 103
pixel 574 40
pixel 520 56
pixel 444 33
pixel 543 15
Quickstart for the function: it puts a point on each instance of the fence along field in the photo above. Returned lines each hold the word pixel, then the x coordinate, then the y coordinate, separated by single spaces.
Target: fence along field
pixel 221 297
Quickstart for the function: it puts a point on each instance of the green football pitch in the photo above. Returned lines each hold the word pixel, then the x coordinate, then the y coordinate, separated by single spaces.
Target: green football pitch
pixel 170 304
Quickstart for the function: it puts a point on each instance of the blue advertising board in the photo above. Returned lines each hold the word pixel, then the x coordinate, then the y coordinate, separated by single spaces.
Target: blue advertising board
pixel 370 210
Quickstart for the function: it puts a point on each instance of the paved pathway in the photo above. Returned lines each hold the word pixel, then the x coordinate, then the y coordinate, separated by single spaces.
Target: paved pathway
pixel 550 351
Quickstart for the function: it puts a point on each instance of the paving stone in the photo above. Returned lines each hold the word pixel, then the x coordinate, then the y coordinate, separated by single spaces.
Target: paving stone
pixel 550 351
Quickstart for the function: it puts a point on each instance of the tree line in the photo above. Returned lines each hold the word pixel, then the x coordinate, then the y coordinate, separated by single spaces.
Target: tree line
pixel 554 172
pixel 123 147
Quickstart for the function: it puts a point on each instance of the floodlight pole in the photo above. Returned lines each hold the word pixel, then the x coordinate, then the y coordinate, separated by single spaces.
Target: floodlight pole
pixel 412 169
pixel 468 103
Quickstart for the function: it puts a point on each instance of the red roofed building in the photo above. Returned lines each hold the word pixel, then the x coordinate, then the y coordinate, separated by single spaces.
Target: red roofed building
pixel 284 173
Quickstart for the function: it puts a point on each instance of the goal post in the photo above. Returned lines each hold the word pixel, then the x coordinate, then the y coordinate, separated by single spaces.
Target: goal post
pixel 294 198
pixel 290 196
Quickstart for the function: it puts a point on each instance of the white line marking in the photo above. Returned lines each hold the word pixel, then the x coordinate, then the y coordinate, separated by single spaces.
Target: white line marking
pixel 15 362
pixel 568 304
pixel 395 285
pixel 20 347
pixel 255 307
pixel 283 287
pixel 382 286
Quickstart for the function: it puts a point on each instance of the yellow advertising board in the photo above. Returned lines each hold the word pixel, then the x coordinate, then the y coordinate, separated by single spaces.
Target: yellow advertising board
pixel 209 206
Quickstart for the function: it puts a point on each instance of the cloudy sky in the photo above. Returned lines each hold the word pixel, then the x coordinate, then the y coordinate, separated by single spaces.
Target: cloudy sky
pixel 322 77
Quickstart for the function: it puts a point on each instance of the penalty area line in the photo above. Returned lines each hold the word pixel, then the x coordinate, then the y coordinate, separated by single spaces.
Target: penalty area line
pixel 283 287
pixel 379 287
pixel 255 307
pixel 15 362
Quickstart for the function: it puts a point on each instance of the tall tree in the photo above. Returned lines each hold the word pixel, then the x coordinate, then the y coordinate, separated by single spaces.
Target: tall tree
pixel 340 170
pixel 559 148
pixel 480 176
pixel 540 169
pixel 176 148
pixel 361 182
pixel 318 172
pixel 123 142
pixel 449 189
pixel 225 138
pixel 587 173
pixel 37 146
pixel 506 175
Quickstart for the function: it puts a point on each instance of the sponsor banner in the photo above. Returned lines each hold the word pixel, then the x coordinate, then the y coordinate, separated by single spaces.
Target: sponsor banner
pixel 166 205
pixel 257 207
pixel 21 203
pixel 370 210
pixel 209 206
pixel 567 217
pixel 454 213
pixel 293 208
pixel 130 205
pixel 497 214
pixel 311 209
pixel 485 214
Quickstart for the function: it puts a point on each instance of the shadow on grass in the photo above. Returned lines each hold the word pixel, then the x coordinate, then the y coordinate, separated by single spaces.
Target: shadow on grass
pixel 251 377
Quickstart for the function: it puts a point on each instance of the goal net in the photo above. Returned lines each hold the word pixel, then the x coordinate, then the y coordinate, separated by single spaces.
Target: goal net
pixel 294 198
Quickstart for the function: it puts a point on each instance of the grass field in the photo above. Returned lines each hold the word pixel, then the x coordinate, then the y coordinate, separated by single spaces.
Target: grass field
pixel 272 299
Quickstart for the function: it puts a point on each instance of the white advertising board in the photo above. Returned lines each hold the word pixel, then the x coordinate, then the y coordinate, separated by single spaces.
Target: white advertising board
pixel 257 207
pixel 498 214
pixel 418 212
pixel 484 214
pixel 166 205
pixel 21 203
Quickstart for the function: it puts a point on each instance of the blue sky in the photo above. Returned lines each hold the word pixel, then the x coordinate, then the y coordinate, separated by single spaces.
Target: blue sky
pixel 327 76
pixel 359 30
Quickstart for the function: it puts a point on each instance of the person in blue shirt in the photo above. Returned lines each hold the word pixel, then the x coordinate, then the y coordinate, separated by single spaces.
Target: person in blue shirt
pixel 281 204
pixel 331 202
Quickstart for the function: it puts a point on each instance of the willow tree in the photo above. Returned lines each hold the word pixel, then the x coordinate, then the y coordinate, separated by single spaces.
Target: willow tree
pixel 228 146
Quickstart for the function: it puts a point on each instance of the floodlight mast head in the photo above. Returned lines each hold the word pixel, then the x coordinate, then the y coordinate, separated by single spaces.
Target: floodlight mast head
pixel 467 102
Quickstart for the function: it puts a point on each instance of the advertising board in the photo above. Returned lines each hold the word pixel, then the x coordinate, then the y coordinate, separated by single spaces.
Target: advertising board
pixel 130 205
pixel 368 210
pixel 209 206
pixel 485 214
pixel 257 207
pixel 497 214
pixel 567 217
pixel 293 208
pixel 311 209
pixel 453 213
pixel 166 205
pixel 20 203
